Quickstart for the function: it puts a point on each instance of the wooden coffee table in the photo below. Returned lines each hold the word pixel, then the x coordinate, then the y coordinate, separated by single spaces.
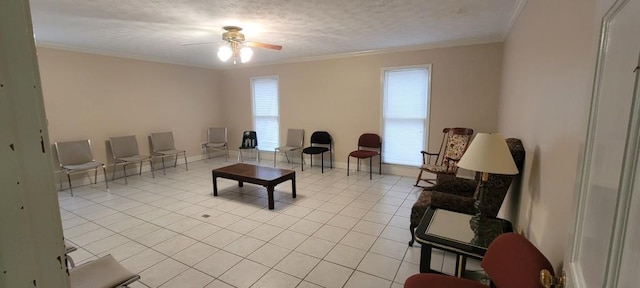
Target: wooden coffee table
pixel 260 175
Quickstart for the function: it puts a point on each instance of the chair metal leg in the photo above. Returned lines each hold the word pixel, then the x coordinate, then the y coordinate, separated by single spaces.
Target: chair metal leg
pixel 380 165
pixel 95 176
pixel 186 165
pixel 226 147
pixel 275 155
pixel 175 163
pixel 70 188
pixel 113 172
pixel 153 175
pixel 257 155
pixel 348 165
pixel 322 161
pixel 106 182
pixel 140 172
pixel 370 167
pixel 240 156
pixel 124 168
pixel 331 158
pixel 164 169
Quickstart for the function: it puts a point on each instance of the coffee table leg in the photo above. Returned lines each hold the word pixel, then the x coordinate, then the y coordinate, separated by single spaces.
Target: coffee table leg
pixel 461 263
pixel 270 196
pixel 215 184
pixel 425 258
pixel 293 186
pixel 240 183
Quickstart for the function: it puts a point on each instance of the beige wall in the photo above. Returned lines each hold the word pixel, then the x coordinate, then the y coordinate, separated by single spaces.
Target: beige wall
pixel 342 96
pixel 549 60
pixel 97 97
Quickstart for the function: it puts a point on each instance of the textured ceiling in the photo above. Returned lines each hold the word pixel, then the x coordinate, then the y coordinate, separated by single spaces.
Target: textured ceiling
pixel 307 29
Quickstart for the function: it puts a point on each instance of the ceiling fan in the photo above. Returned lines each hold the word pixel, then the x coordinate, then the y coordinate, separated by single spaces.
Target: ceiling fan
pixel 237 47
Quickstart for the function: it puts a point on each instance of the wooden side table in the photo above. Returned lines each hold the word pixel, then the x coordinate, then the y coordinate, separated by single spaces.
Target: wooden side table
pixel 452 232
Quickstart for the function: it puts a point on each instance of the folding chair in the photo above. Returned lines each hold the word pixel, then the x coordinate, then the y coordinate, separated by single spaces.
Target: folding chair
pixel 76 157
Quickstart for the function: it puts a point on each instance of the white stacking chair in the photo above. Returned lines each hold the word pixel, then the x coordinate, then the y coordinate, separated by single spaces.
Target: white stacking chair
pixel 164 146
pixel 217 141
pixel 295 139
pixel 76 157
pixel 104 272
pixel 125 151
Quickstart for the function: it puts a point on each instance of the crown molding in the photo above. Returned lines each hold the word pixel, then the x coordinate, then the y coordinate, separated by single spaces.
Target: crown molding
pixel 514 17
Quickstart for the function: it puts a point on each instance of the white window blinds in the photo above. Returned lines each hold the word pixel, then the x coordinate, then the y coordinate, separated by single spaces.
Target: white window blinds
pixel 265 111
pixel 404 119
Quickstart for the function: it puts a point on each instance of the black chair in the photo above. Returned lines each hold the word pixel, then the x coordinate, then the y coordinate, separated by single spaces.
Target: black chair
pixel 320 138
pixel 249 142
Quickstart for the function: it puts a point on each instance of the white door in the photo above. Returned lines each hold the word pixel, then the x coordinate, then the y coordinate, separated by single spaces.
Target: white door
pixel 603 248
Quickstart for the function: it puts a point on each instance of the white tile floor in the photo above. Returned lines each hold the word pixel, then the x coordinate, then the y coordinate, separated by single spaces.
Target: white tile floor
pixel 339 232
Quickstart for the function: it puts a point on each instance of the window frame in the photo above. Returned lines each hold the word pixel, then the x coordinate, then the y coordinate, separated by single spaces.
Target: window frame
pixel 427 119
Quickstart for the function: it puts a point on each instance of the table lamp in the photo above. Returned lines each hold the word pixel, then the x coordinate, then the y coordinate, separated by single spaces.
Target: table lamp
pixel 487 153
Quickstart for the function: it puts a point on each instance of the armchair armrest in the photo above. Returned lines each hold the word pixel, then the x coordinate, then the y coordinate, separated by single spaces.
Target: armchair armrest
pixel 455 185
pixel 426 157
pixel 452 202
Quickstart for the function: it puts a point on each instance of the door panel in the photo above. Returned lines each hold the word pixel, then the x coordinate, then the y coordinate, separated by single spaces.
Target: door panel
pixel 611 150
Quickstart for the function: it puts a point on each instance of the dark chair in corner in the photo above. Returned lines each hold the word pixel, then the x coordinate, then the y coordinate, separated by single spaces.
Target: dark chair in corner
pixel 454 143
pixel 511 261
pixel 458 194
pixel 319 138
pixel 369 146
pixel 249 142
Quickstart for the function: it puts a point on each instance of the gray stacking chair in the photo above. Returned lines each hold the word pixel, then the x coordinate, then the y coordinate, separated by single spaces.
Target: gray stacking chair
pixel 216 140
pixel 68 248
pixel 295 138
pixel 104 272
pixel 125 151
pixel 164 146
pixel 76 157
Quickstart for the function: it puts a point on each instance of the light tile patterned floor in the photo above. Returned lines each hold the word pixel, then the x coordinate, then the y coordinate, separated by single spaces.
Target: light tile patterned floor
pixel 339 232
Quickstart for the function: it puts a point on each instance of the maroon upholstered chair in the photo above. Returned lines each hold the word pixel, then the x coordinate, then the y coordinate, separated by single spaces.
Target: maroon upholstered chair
pixel 369 146
pixel 511 261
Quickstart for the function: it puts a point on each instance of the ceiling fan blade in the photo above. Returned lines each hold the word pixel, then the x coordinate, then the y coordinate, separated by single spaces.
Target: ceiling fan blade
pixel 263 45
pixel 203 43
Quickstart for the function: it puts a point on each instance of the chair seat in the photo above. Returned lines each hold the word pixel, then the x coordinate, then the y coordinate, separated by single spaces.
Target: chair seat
pixel 315 150
pixel 214 145
pixel 170 152
pixel 287 148
pixel 363 154
pixel 428 280
pixel 436 168
pixel 134 158
pixel 83 166
pixel 105 272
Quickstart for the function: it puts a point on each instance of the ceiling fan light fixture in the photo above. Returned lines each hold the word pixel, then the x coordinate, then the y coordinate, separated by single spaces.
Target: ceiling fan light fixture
pixel 245 54
pixel 224 53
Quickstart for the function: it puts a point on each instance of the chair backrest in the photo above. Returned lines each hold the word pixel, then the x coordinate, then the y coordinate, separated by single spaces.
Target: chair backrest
pixel 162 141
pixel 74 152
pixel 217 135
pixel 498 184
pixel 124 146
pixel 249 139
pixel 455 143
pixel 295 137
pixel 370 140
pixel 512 261
pixel 321 137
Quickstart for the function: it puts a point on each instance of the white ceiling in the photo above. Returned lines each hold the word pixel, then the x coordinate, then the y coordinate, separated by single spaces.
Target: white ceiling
pixel 307 29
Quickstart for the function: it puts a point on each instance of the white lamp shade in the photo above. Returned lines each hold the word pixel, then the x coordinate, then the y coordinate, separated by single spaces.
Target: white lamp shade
pixel 488 153
pixel 224 53
pixel 245 54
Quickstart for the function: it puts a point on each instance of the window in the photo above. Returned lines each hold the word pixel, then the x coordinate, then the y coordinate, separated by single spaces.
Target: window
pixel 404 114
pixel 264 92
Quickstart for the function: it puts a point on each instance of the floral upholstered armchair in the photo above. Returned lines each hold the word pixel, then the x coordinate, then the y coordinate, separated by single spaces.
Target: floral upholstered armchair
pixel 459 194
